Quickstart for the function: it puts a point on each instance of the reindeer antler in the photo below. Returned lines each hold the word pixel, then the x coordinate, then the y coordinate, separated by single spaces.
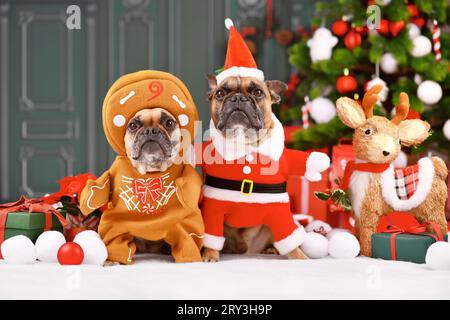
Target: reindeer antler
pixel 401 110
pixel 370 99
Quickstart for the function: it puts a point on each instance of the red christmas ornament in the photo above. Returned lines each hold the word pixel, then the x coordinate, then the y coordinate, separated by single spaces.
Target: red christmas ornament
pixel 339 27
pixel 396 27
pixel 383 28
pixel 419 21
pixel 361 29
pixel 413 114
pixel 70 253
pixel 72 232
pixel 346 84
pixel 352 39
pixel 413 10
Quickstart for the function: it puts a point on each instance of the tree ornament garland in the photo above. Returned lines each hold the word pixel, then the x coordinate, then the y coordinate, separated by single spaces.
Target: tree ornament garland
pixel 346 83
pixel 429 92
pixel 321 44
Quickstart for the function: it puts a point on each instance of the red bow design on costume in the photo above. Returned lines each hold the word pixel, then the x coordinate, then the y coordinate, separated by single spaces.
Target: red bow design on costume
pixel 152 186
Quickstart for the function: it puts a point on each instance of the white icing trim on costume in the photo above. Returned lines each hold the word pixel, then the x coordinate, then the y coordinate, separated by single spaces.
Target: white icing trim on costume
pixel 236 196
pixel 213 242
pixel 240 72
pixel 92 193
pixel 426 175
pixel 272 147
pixel 127 97
pixel 294 240
pixel 177 100
pixel 315 163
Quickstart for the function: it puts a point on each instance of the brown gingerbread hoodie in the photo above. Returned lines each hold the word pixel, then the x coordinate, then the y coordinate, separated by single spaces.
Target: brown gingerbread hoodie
pixel 156 205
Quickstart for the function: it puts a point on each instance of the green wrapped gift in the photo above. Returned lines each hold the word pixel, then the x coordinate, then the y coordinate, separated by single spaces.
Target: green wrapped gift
pixel 29 217
pixel 403 245
pixel 28 224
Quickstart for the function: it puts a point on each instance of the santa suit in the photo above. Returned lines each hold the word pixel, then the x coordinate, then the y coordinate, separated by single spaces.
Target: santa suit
pixel 269 164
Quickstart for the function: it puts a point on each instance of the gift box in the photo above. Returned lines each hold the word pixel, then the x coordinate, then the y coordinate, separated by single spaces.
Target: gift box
pixel 28 217
pixel 404 244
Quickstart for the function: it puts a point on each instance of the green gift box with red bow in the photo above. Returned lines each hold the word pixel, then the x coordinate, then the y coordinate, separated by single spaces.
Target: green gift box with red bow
pixel 409 245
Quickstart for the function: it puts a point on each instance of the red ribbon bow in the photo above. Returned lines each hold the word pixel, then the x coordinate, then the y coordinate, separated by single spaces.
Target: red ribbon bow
pixel 415 230
pixel 152 186
pixel 29 205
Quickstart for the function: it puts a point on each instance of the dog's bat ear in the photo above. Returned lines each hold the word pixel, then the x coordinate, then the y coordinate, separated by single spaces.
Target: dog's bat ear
pixel 212 82
pixel 276 87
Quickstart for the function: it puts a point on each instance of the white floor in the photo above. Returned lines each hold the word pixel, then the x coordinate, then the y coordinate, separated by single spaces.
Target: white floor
pixel 235 277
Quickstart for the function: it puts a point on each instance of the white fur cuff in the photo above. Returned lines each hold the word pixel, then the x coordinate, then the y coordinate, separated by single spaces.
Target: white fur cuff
pixel 213 242
pixel 286 245
pixel 317 162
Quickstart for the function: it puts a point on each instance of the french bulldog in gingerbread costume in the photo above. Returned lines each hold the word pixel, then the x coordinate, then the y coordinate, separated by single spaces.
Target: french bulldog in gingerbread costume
pixel 150 191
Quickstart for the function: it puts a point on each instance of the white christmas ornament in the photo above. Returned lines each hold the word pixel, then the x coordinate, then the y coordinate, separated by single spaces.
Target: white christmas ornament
pixel 383 2
pixel 318 226
pixel 384 92
pixel 48 244
pixel 446 129
pixel 18 250
pixel 429 92
pixel 421 46
pixel 322 110
pixel 321 44
pixel 417 79
pixel 335 231
pixel 343 245
pixel 388 63
pixel 94 249
pixel 401 161
pixel 86 234
pixel 315 245
pixel 438 256
pixel 413 30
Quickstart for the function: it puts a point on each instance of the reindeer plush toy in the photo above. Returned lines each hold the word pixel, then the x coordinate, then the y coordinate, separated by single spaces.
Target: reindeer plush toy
pixel 376 188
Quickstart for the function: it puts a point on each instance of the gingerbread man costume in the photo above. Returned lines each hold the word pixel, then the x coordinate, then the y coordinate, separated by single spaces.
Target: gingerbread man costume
pixel 156 205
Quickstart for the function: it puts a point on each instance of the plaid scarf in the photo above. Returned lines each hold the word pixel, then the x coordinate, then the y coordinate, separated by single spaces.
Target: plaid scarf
pixel 406 181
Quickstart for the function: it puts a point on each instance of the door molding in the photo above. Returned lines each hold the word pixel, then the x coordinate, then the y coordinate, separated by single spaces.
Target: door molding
pixel 4 99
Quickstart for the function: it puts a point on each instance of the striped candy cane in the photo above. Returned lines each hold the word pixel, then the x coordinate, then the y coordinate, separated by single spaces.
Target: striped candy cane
pixel 305 113
pixel 436 40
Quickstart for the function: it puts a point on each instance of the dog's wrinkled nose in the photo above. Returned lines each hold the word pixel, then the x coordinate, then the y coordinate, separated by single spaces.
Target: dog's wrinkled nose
pixel 239 97
pixel 151 131
pixel 386 153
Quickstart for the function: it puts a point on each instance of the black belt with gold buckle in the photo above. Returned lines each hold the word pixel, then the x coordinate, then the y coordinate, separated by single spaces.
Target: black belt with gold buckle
pixel 245 186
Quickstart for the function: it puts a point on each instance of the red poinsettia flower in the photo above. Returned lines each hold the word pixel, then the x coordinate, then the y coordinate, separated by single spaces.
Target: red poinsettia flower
pixel 69 186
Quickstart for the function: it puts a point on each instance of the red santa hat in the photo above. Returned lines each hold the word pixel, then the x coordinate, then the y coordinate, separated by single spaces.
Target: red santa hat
pixel 239 61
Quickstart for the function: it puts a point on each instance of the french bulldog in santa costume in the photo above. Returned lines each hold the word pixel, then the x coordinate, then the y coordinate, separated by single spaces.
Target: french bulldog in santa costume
pixel 246 164
pixel 151 192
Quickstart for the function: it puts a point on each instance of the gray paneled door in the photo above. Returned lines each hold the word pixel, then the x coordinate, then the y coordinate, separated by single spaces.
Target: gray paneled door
pixel 53 80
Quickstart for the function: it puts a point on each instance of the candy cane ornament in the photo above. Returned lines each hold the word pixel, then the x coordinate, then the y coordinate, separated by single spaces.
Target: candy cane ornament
pixel 305 113
pixel 437 41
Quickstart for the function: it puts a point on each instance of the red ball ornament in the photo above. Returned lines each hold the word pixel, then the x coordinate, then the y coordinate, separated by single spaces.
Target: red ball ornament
pixel 339 27
pixel 352 40
pixel 361 29
pixel 70 253
pixel 396 27
pixel 413 10
pixel 419 21
pixel 346 84
pixel 383 28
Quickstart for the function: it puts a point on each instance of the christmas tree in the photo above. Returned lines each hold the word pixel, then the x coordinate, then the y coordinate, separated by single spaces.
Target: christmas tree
pixel 349 50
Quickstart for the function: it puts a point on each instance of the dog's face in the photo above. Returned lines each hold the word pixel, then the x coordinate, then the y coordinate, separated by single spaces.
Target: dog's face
pixel 152 140
pixel 243 104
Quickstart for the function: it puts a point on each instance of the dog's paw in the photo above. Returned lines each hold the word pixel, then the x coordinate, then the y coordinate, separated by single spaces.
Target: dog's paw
pixel 270 250
pixel 109 263
pixel 210 255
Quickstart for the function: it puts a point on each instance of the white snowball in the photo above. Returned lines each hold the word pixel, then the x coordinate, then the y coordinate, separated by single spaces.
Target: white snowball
pixel 315 245
pixel 388 63
pixel 318 226
pixel 401 161
pixel 446 129
pixel 413 30
pixel 48 244
pixel 18 250
pixel 343 245
pixel 421 46
pixel 94 249
pixel 335 231
pixel 429 92
pixel 384 92
pixel 86 234
pixel 322 110
pixel 438 256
